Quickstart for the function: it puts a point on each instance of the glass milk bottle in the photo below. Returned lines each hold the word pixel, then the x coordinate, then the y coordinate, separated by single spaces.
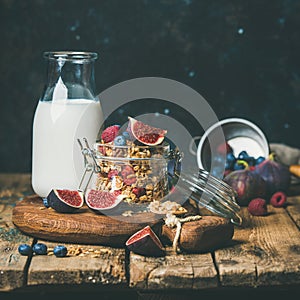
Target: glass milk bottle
pixel 67 110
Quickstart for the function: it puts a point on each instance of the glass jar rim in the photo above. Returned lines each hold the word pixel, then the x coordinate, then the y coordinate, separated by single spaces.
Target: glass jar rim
pixel 74 56
pixel 165 147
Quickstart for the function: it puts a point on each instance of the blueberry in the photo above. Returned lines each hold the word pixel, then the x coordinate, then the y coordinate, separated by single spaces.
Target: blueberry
pixel 230 157
pixel 120 140
pixel 230 160
pixel 238 166
pixel 171 167
pixel 40 249
pixel 126 135
pixel 25 249
pixel 259 160
pixel 219 160
pixel 217 171
pixel 250 160
pixel 45 202
pixel 60 251
pixel 243 155
pixel 228 165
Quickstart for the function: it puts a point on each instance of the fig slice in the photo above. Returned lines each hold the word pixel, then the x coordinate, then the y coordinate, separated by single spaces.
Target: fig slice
pixel 146 134
pixel 99 200
pixel 64 200
pixel 145 242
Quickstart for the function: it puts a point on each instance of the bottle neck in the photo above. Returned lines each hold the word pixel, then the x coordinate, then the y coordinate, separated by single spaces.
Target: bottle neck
pixel 70 75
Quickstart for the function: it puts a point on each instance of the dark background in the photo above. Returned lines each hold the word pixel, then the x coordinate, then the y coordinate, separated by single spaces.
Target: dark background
pixel 243 57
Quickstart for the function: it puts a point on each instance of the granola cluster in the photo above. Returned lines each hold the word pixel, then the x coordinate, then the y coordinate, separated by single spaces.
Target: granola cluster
pixel 137 172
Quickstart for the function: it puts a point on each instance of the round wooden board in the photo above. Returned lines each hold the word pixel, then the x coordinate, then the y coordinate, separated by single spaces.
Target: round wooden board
pixel 85 226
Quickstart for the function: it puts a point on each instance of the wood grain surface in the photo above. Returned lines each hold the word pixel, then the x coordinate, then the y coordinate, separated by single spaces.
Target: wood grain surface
pixel 84 264
pixel 263 253
pixel 206 234
pixel 85 226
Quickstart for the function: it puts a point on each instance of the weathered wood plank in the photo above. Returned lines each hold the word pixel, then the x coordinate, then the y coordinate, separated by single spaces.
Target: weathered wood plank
pixel 14 187
pixel 263 252
pixel 266 252
pixel 12 264
pixel 92 264
pixel 174 271
pixel 293 209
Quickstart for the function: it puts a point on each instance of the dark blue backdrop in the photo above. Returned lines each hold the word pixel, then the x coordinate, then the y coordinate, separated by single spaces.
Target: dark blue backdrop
pixel 242 56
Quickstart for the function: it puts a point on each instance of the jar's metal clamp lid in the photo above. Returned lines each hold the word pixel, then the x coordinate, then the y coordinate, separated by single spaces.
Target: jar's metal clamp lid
pixel 206 190
pixel 90 164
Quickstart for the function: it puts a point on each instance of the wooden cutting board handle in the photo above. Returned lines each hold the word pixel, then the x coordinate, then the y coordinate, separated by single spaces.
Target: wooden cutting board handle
pixel 206 234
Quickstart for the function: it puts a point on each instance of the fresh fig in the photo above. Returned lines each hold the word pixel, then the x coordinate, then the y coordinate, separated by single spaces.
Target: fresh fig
pixel 146 134
pixel 64 200
pixel 145 242
pixel 275 174
pixel 247 184
pixel 99 200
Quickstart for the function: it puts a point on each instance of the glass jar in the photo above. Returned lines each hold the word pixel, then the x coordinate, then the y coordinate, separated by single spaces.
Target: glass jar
pixel 139 174
pixel 68 109
pixel 142 175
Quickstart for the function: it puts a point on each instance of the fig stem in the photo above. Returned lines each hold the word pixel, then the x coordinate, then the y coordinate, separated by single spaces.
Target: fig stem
pixel 272 156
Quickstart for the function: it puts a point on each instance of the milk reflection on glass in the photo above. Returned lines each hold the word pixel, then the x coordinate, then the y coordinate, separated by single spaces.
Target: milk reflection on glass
pixel 68 110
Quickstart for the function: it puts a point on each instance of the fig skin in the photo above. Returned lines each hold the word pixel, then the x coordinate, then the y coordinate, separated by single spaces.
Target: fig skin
pixel 275 174
pixel 58 205
pixel 145 242
pixel 247 184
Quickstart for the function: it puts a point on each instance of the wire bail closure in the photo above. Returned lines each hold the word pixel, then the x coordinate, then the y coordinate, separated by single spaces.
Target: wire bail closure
pixel 90 163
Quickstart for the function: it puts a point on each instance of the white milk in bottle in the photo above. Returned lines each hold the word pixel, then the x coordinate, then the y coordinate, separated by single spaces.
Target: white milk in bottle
pixel 67 111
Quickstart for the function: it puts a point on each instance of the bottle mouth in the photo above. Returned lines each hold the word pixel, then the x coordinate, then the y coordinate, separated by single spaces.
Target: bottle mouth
pixel 72 56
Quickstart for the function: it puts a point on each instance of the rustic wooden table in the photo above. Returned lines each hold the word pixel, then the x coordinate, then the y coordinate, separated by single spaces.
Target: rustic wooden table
pixel 263 258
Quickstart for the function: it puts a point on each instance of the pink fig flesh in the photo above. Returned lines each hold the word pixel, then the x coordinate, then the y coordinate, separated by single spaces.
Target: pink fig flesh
pixel 145 242
pixel 146 134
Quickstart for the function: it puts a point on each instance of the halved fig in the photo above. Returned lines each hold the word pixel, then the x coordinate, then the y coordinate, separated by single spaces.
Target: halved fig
pixel 145 242
pixel 146 134
pixel 64 200
pixel 99 200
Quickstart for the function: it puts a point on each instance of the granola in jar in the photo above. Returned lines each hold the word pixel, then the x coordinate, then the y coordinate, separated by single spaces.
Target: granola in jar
pixel 130 167
pixel 139 173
